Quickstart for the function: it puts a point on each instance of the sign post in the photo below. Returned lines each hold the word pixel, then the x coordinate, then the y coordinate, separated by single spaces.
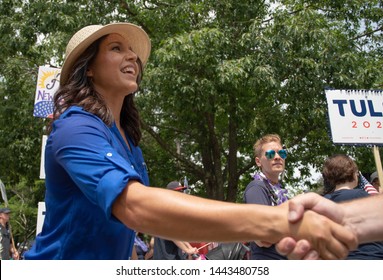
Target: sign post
pixel 379 168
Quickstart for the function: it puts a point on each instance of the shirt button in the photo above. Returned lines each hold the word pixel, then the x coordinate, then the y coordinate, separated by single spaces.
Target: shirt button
pixel 109 154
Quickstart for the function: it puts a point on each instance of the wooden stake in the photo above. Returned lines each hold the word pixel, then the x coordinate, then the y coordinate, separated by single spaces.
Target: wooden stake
pixel 379 168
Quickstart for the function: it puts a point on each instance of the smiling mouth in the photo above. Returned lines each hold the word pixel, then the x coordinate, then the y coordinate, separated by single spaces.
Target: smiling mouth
pixel 129 70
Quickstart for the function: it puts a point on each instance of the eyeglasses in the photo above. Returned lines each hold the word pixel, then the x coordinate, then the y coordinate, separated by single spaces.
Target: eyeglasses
pixel 270 154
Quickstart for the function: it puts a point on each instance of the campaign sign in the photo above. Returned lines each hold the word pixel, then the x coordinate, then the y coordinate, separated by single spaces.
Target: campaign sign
pixel 47 84
pixel 356 116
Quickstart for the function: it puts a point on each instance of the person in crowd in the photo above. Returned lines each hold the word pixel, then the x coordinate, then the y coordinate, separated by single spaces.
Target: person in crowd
pixel 97 186
pixel 365 185
pixel 374 180
pixel 340 176
pixel 363 216
pixel 266 187
pixel 150 253
pixel 173 249
pixel 140 246
pixel 7 249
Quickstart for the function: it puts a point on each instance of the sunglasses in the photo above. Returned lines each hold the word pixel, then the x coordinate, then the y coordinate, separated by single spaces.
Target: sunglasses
pixel 270 154
pixel 182 189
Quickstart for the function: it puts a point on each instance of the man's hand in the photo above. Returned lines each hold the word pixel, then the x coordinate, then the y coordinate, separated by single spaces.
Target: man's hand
pixel 316 203
pixel 14 253
pixel 329 239
pixel 302 249
pixel 294 250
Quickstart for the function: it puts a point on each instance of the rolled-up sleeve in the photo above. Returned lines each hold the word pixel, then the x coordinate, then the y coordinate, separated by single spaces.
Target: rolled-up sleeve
pixel 89 154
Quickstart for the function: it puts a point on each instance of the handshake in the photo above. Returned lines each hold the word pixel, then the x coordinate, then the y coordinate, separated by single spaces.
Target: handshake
pixel 339 228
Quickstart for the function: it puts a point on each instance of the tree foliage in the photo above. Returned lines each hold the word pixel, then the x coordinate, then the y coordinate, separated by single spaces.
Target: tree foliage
pixel 221 74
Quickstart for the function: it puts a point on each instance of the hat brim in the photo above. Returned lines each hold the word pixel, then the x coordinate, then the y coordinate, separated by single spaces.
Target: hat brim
pixel 373 176
pixel 372 179
pixel 137 37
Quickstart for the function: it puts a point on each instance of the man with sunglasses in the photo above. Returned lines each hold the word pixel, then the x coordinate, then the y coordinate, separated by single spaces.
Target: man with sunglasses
pixel 266 187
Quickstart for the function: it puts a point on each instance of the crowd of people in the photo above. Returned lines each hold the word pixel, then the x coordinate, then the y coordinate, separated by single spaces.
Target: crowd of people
pixel 98 194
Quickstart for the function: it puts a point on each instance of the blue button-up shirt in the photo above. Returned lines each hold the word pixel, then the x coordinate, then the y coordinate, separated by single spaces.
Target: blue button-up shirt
pixel 87 166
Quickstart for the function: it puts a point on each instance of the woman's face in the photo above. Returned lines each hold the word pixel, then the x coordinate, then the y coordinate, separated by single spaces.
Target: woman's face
pixel 271 167
pixel 114 70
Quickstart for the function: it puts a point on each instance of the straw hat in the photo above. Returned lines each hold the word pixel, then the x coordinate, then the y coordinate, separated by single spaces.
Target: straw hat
pixel 83 38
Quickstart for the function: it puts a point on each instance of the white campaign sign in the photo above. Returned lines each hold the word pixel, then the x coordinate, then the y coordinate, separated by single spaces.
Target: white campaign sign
pixel 47 85
pixel 356 116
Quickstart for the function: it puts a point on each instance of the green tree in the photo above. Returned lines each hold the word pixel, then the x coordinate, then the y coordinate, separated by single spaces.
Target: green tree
pixel 247 68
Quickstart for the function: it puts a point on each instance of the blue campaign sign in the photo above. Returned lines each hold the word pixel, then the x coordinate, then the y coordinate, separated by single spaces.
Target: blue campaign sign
pixel 356 116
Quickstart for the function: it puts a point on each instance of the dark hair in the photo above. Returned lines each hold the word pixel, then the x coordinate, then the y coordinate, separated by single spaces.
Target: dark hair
pixel 338 169
pixel 79 90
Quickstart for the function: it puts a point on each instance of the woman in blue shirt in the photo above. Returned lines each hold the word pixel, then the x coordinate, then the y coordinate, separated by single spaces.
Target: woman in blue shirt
pixel 96 178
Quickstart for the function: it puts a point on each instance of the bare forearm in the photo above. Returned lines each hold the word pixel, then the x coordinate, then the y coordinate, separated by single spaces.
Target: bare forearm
pixel 365 217
pixel 178 216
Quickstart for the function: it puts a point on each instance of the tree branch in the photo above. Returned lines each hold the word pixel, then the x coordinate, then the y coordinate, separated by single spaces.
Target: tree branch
pixel 187 163
pixel 367 33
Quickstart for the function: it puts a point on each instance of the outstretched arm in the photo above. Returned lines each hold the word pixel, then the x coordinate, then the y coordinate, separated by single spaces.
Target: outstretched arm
pixel 184 217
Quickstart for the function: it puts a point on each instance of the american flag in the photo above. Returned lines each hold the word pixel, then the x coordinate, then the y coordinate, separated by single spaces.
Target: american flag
pixel 43 109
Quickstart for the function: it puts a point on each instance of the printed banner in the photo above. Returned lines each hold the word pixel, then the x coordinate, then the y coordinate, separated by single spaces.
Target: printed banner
pixel 48 81
pixel 356 116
